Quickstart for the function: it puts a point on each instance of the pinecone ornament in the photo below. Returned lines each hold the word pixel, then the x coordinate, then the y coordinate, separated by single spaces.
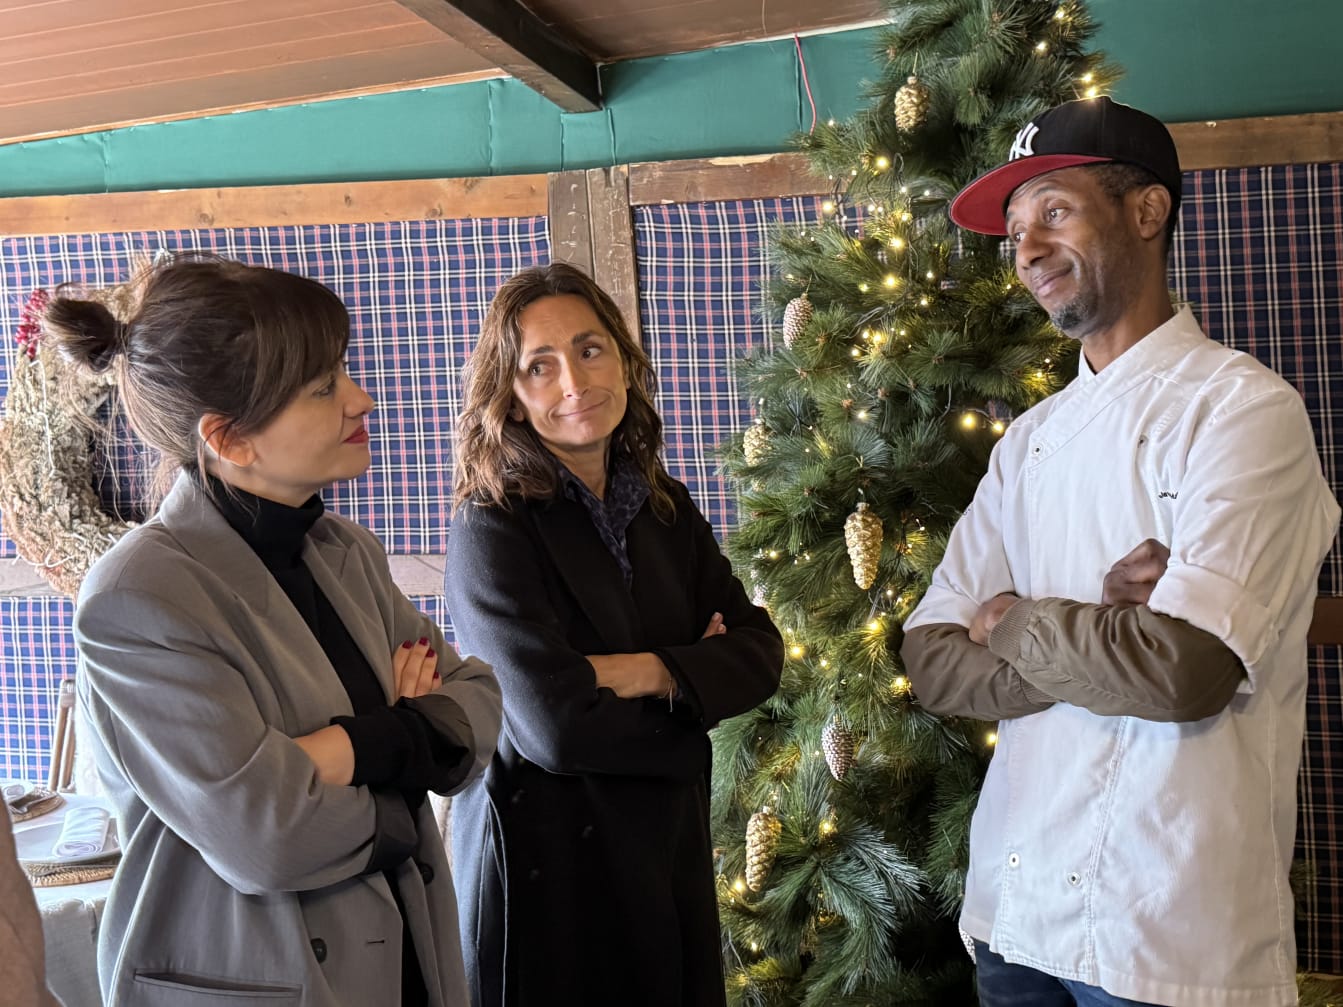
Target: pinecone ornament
pixel 837 744
pixel 755 444
pixel 762 845
pixel 911 104
pixel 795 319
pixel 862 534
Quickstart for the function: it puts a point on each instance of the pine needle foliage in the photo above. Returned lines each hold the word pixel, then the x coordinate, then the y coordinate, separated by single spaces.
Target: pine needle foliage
pixel 921 348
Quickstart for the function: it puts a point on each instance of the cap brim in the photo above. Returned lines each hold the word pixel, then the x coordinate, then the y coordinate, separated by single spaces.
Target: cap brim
pixel 980 205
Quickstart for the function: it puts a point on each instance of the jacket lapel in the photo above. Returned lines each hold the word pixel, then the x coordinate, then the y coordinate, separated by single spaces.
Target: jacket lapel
pixel 589 571
pixel 327 560
pixel 306 677
pixel 205 535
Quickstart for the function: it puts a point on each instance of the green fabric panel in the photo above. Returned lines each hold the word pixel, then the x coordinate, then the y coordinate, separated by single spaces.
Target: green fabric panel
pixel 353 139
pixel 735 100
pixel 66 164
pixel 1191 60
pixel 525 133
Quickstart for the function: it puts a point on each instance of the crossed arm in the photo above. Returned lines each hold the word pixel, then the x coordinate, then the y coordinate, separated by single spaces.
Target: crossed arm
pixel 1118 658
pixel 1167 642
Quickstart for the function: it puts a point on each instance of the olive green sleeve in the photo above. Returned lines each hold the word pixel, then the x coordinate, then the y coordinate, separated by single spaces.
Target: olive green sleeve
pixel 955 677
pixel 1117 660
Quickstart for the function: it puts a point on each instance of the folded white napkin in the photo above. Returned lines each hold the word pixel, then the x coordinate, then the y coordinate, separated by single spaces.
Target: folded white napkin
pixel 83 834
pixel 15 790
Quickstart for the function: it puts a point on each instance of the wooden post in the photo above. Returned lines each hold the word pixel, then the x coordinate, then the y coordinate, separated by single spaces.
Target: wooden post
pixel 592 228
pixel 570 236
pixel 613 261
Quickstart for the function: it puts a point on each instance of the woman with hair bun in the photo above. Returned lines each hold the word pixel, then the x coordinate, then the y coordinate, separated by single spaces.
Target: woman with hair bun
pixel 268 710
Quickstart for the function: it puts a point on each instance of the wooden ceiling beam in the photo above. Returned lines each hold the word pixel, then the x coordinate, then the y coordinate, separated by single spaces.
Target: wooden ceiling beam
pixel 518 42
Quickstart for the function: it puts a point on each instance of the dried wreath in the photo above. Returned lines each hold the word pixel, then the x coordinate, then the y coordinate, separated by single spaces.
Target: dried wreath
pixel 49 506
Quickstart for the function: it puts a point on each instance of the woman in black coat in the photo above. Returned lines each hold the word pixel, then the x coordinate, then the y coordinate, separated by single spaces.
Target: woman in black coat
pixel 590 581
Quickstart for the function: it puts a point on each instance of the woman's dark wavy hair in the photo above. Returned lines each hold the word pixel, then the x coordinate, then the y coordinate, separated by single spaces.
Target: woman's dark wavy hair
pixel 207 335
pixel 497 456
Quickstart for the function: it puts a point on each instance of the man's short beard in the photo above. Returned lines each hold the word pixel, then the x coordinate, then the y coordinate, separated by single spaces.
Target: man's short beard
pixel 1070 317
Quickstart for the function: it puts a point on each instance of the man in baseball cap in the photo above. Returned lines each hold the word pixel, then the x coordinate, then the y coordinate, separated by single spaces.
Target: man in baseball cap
pixel 1128 596
pixel 1089 131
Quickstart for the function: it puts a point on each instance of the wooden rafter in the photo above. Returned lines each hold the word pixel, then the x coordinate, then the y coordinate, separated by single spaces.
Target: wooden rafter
pixel 519 43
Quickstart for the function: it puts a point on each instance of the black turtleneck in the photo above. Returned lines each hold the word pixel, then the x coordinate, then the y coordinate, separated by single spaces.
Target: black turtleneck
pixel 394 748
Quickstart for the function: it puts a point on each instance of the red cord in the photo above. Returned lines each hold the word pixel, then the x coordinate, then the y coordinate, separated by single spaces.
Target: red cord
pixel 806 83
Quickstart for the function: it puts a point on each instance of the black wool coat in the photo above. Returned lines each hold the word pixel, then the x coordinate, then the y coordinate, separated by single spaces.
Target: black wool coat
pixel 582 857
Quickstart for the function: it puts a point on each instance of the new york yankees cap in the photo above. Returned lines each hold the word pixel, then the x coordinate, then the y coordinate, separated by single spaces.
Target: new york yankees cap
pixel 1087 131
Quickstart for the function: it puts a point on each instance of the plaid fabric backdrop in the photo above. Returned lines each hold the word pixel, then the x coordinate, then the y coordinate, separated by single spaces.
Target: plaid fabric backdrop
pixel 416 291
pixel 701 267
pixel 1258 255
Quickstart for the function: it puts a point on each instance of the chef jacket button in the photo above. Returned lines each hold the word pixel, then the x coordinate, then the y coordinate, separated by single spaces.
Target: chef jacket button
pixel 1013 860
pixel 318 949
pixel 1074 879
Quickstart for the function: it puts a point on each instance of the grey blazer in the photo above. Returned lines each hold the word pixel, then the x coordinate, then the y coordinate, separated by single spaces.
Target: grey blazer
pixel 241 880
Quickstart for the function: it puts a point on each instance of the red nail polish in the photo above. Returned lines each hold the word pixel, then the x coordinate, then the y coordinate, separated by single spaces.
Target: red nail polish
pixel 407 645
pixel 430 653
pixel 424 640
pixel 436 676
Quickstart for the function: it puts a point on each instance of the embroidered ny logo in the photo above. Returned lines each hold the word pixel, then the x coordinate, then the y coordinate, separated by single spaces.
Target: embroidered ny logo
pixel 1023 145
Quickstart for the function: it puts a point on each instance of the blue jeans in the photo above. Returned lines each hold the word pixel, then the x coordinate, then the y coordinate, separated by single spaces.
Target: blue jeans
pixel 1004 985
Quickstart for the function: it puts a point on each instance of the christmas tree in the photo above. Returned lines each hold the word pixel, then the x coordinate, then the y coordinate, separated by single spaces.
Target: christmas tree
pixel 841 807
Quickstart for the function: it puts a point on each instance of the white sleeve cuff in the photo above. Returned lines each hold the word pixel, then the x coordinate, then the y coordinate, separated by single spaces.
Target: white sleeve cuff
pixel 942 604
pixel 1220 606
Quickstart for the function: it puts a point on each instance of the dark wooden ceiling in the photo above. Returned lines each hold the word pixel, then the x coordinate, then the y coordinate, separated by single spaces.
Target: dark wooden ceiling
pixel 76 65
pixel 626 29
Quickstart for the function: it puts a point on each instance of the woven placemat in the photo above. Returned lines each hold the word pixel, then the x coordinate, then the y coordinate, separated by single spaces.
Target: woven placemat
pixel 52 875
pixel 39 802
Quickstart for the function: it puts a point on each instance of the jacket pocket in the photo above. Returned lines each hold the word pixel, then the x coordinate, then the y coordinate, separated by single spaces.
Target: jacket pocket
pixel 165 989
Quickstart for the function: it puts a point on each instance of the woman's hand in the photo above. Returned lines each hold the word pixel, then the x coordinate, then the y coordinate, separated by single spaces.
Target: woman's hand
pixel 414 669
pixel 331 752
pixel 716 626
pixel 631 676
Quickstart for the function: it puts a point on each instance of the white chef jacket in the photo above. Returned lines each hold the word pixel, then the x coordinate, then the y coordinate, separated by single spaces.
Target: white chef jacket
pixel 1150 859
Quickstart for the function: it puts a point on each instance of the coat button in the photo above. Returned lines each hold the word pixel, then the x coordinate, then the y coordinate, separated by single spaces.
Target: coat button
pixel 426 873
pixel 1013 860
pixel 319 949
pixel 1074 879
